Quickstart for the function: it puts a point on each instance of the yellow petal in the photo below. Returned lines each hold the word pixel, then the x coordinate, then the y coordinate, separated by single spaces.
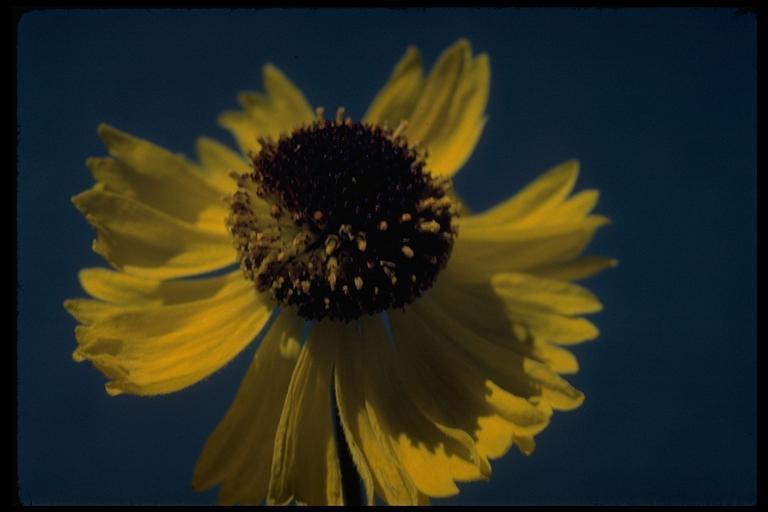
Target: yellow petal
pixel 205 213
pixel 451 389
pixel 539 228
pixel 559 359
pixel 282 110
pixel 558 296
pixel 578 206
pixel 451 148
pixel 397 98
pixel 154 176
pixel 239 452
pixel 286 97
pixel 151 349
pixel 514 232
pixel 245 130
pixel 147 243
pixel 518 374
pixel 88 311
pixel 374 458
pixel 520 317
pixel 353 420
pixel 219 161
pixel 535 201
pixel 438 90
pixel 305 465
pixel 450 112
pixel 526 444
pixel 495 436
pixel 433 455
pixel 509 249
pixel 552 327
pixel 121 288
pixel 492 321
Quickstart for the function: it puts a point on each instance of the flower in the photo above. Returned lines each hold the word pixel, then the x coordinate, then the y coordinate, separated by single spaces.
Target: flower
pixel 335 222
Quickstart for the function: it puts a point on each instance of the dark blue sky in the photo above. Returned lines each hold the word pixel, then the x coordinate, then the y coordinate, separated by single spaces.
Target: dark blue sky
pixel 659 106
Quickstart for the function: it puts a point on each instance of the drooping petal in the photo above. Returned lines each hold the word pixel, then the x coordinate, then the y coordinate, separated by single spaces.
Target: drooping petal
pixel 148 243
pixel 519 374
pixel 149 349
pixel 283 109
pixel 373 456
pixel 397 98
pixel 433 456
pixel 450 112
pixel 546 308
pixel 305 463
pixel 519 311
pixel 238 454
pixel 453 390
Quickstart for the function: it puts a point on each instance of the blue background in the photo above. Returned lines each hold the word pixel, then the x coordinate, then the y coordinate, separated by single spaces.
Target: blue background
pixel 659 106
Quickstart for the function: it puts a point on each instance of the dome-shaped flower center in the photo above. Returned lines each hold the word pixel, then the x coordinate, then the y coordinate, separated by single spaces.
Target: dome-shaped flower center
pixel 340 219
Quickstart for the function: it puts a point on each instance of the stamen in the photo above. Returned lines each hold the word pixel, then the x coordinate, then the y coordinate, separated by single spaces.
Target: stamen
pixel 429 226
pixel 361 242
pixel 400 128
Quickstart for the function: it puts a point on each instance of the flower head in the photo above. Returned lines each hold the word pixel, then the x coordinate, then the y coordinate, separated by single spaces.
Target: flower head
pixel 336 222
pixel 341 219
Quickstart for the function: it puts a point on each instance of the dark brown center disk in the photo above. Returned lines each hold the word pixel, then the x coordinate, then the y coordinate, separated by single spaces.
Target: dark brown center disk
pixel 341 219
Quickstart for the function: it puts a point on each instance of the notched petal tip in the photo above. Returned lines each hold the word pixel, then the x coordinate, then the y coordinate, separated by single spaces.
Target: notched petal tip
pixel 526 444
pixel 109 134
pixel 575 399
pixel 113 388
pixel 590 332
pixel 569 168
pixel 92 162
pixel 411 59
pixel 77 200
pixel 600 220
pixel 70 305
pixel 461 43
pixel 269 69
pixel 412 52
pixel 99 248
pixel 102 128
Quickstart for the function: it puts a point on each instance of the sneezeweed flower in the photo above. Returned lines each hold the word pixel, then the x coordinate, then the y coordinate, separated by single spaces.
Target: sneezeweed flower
pixel 337 222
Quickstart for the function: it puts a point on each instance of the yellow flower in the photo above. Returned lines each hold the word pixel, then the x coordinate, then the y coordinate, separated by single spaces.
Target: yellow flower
pixel 335 222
